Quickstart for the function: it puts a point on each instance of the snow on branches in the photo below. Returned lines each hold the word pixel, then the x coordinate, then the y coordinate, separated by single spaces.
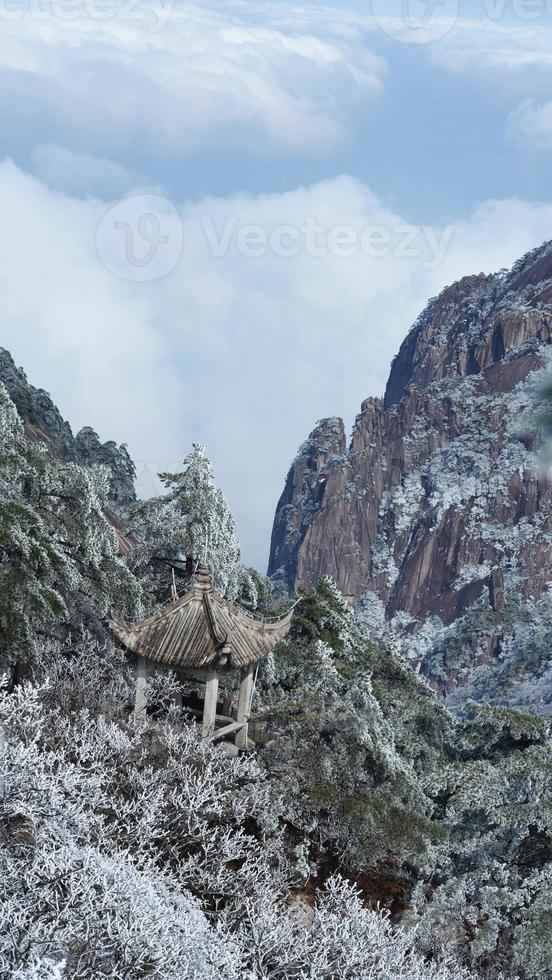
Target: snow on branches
pixel 58 552
pixel 131 850
pixel 193 521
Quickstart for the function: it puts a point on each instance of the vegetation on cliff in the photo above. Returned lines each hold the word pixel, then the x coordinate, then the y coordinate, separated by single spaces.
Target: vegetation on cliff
pixel 371 834
pixel 130 850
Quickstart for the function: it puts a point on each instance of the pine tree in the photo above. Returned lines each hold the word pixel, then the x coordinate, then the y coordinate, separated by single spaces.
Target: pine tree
pixel 192 523
pixel 58 552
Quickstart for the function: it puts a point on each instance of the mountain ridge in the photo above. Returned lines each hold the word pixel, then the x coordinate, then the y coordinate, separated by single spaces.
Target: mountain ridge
pixel 437 511
pixel 44 423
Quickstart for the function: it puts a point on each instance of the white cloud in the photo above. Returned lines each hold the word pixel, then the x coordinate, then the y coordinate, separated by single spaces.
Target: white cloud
pixel 530 125
pixel 139 81
pixel 489 44
pixel 463 36
pixel 197 76
pixel 239 352
pixel 242 352
pixel 82 173
pixel 75 328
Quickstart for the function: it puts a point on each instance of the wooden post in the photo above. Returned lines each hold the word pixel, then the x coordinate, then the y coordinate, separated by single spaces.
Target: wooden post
pixel 210 705
pixel 244 704
pixel 2 763
pixel 140 700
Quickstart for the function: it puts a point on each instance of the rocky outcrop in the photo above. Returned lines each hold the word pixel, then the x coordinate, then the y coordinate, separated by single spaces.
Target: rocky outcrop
pixel 44 423
pixel 438 515
pixel 89 451
pixel 303 495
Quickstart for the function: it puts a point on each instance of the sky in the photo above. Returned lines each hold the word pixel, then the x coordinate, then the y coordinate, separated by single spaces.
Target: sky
pixel 220 220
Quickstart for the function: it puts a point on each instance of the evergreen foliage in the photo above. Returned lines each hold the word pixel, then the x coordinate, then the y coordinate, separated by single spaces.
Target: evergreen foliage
pixel 122 471
pixel 378 779
pixel 130 850
pixel 356 727
pixel 58 552
pixel 192 523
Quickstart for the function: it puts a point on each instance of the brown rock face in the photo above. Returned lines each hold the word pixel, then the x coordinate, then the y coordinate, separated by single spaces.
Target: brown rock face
pixel 440 496
pixel 303 494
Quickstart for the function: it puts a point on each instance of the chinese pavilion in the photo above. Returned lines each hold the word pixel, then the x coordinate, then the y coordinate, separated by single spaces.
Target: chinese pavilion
pixel 202 637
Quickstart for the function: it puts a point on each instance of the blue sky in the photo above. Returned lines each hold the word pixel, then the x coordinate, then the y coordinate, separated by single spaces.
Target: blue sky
pixel 221 219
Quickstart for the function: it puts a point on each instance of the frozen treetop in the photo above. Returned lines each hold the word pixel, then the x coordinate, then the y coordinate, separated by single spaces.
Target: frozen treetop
pixel 202 630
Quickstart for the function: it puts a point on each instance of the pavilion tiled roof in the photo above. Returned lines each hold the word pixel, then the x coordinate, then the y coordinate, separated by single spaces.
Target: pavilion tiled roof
pixel 202 630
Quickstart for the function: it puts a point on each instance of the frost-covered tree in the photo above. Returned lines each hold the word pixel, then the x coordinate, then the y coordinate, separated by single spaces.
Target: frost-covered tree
pixel 192 523
pixel 119 839
pixel 90 451
pixel 31 567
pixel 58 552
pixel 131 850
pixel 449 819
pixel 353 729
pixel 343 940
pixel 487 887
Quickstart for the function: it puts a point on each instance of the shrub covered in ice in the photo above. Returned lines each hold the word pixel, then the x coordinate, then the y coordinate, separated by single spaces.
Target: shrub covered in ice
pixel 130 850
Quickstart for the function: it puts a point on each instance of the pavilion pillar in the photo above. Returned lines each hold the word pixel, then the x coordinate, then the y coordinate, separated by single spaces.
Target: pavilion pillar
pixel 177 700
pixel 210 705
pixel 244 704
pixel 140 700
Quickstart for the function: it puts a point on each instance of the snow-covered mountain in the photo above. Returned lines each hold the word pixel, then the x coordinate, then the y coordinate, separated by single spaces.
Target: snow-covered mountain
pixel 44 423
pixel 436 519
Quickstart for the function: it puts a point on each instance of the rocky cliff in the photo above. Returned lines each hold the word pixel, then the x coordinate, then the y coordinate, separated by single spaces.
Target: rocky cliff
pixel 436 519
pixel 44 423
